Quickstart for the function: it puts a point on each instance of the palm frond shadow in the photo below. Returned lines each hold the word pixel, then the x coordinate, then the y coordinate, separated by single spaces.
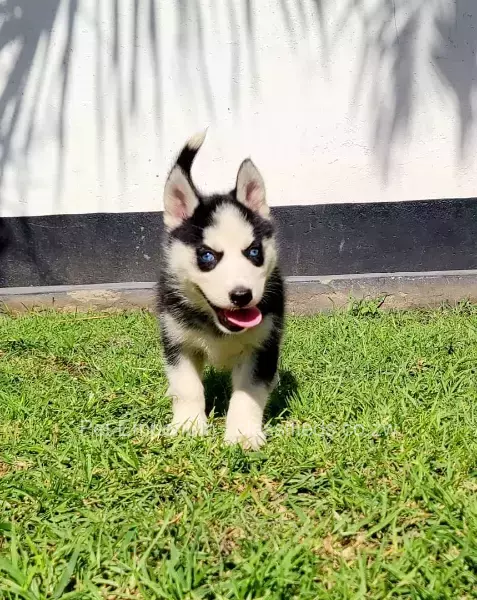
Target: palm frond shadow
pixel 388 56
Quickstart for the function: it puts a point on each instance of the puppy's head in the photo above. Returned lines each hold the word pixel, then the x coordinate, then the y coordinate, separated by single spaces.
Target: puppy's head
pixel 220 248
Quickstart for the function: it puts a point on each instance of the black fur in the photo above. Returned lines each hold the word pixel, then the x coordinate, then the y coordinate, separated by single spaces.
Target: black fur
pixel 191 231
pixel 171 350
pixel 266 359
pixel 171 301
pixel 272 303
pixel 186 158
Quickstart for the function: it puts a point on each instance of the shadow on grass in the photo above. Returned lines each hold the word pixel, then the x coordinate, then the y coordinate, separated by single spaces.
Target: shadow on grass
pixel 218 389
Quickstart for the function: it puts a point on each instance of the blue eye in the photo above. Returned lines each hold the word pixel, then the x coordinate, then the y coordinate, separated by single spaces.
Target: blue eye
pixel 207 257
pixel 254 254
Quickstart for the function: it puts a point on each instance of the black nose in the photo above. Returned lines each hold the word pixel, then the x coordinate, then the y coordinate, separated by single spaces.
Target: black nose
pixel 240 296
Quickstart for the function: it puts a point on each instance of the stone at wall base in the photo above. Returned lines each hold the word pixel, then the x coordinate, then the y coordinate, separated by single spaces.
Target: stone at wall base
pixel 305 295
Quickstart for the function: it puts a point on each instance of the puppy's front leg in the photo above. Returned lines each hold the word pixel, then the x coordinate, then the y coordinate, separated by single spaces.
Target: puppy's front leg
pixel 252 381
pixel 187 392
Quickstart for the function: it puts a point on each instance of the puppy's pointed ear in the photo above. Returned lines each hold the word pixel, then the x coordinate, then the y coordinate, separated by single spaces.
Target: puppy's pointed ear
pixel 180 200
pixel 251 189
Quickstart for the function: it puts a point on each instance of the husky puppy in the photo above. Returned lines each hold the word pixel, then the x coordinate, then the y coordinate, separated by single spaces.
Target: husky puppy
pixel 221 298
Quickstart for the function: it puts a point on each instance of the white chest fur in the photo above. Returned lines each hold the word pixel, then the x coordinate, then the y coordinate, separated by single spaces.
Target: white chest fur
pixel 221 351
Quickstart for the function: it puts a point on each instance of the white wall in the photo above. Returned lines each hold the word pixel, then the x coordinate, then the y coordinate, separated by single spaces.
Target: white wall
pixel 336 101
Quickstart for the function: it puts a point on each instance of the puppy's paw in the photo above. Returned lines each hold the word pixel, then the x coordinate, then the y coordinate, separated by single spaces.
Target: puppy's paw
pixel 250 438
pixel 192 424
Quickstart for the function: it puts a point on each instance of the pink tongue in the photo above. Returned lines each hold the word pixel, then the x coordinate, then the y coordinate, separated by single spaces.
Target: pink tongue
pixel 244 317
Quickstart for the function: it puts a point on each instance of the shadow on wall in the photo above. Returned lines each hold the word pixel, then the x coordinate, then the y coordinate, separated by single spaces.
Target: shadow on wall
pixel 387 59
pixel 28 26
pixel 392 31
pixel 455 59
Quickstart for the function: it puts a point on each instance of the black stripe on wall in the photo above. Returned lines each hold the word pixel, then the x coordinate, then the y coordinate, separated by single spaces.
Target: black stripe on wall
pixel 330 239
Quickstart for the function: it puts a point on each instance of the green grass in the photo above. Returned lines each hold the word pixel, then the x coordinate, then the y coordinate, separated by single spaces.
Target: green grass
pixel 366 489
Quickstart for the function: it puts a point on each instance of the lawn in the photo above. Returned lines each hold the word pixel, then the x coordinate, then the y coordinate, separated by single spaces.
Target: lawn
pixel 366 488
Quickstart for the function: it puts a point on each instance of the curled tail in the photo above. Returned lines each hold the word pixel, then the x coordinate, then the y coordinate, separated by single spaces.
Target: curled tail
pixel 188 153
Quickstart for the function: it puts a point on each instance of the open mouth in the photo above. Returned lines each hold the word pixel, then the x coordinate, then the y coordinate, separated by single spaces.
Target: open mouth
pixel 235 319
pixel 239 319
